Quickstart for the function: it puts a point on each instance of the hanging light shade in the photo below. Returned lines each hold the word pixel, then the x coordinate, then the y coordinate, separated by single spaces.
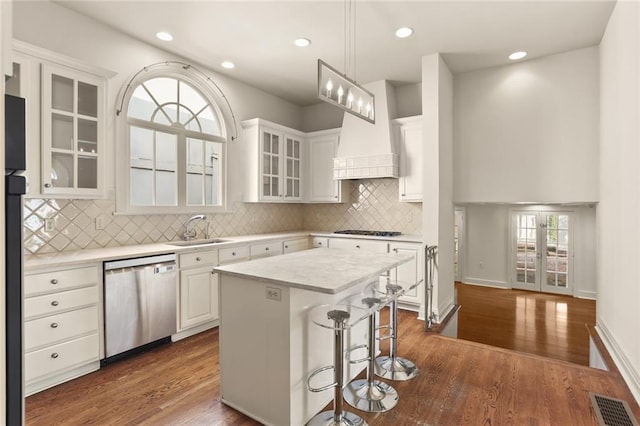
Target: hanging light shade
pixel 339 90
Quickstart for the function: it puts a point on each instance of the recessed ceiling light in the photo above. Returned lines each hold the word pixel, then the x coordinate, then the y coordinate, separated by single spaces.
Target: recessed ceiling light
pixel 517 55
pixel 228 64
pixel 164 36
pixel 404 32
pixel 302 42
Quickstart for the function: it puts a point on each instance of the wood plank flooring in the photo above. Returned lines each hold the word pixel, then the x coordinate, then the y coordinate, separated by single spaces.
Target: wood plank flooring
pixel 461 382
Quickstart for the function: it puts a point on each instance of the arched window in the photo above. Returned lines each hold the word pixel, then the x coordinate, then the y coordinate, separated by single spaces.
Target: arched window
pixel 176 145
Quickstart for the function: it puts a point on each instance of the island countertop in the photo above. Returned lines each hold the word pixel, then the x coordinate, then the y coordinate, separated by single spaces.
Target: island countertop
pixel 324 270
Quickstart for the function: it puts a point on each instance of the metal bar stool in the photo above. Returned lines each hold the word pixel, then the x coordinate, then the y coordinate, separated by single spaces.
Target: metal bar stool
pixel 338 318
pixel 368 394
pixel 393 367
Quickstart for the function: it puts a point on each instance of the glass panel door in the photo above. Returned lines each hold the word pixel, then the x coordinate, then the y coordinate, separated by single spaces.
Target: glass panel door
pixel 270 185
pixel 526 251
pixel 292 168
pixel 542 251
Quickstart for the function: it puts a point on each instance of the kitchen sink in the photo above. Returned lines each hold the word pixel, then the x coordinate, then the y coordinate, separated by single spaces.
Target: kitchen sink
pixel 196 242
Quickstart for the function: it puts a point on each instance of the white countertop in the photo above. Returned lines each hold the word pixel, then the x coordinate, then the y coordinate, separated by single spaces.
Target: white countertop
pixel 70 258
pixel 323 270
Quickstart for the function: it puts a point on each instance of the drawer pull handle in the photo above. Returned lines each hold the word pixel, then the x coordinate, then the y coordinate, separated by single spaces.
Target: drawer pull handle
pixel 54 281
pixel 54 355
pixel 54 325
pixel 197 259
pixel 55 303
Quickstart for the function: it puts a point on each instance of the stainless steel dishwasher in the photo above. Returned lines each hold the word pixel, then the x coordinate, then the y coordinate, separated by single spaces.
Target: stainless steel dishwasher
pixel 140 302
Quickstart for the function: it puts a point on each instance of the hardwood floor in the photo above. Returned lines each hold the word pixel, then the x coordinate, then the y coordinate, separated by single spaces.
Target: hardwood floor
pixel 460 382
pixel 544 324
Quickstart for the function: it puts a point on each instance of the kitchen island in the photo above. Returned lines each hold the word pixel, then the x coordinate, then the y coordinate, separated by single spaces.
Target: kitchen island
pixel 268 343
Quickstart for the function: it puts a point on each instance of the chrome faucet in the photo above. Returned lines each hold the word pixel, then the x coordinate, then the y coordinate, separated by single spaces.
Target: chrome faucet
pixel 190 233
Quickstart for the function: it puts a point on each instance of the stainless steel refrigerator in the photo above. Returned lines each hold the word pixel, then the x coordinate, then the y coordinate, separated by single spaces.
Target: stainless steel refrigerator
pixel 15 188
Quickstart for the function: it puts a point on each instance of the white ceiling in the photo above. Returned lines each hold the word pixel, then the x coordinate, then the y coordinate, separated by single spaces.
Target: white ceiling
pixel 257 36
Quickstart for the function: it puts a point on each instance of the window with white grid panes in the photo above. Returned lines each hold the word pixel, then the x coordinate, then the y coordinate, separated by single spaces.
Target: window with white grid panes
pixel 176 146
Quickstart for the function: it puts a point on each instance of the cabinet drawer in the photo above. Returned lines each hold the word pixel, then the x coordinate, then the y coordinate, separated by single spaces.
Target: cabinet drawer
pixel 320 242
pixel 54 328
pixel 61 301
pixel 368 245
pixel 58 280
pixel 200 258
pixel 272 248
pixel 233 254
pixel 59 357
pixel 299 244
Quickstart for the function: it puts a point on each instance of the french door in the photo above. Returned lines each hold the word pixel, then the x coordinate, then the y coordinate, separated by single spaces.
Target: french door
pixel 542 256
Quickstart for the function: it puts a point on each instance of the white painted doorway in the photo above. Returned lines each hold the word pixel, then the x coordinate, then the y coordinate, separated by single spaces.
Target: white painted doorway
pixel 541 251
pixel 458 243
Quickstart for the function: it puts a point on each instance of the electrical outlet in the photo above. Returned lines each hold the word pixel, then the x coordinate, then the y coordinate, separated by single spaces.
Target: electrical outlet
pixel 101 222
pixel 49 225
pixel 274 294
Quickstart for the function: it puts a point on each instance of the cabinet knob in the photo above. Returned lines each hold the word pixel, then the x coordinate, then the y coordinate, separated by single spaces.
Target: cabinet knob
pixel 54 303
pixel 54 281
pixel 403 194
pixel 335 196
pixel 233 253
pixel 47 185
pixel 266 249
pixel 213 272
pixel 319 243
pixel 54 325
pixel 358 246
pixel 395 250
pixel 286 246
pixel 197 259
pixel 54 355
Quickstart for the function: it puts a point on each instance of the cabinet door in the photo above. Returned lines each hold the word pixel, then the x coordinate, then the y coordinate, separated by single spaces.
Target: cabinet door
pixel 72 132
pixel 198 297
pixel 270 165
pixel 411 163
pixel 322 187
pixel 410 272
pixel 292 168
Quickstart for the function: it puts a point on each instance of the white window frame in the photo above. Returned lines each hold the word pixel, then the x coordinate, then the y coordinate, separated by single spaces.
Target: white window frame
pixel 122 166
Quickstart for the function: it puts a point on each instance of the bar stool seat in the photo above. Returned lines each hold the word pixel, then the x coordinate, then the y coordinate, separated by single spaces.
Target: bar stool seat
pixel 393 367
pixel 368 394
pixel 338 317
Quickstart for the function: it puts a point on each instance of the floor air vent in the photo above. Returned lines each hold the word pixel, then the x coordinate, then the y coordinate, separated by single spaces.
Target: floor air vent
pixel 612 411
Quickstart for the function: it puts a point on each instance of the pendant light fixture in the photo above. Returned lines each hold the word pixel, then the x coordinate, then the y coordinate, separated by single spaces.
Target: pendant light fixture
pixel 337 88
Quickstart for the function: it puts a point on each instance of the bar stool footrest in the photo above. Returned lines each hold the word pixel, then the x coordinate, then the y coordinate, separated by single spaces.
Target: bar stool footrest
pixel 318 371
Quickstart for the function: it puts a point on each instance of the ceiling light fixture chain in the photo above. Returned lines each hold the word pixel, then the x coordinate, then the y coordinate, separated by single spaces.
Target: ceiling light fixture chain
pixel 185 67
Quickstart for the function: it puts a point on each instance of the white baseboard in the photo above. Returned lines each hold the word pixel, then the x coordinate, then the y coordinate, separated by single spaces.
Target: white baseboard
pixel 628 372
pixel 585 294
pixel 486 283
pixel 193 331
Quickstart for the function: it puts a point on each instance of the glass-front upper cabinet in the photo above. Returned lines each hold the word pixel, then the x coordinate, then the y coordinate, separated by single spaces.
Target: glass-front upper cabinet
pixel 292 159
pixel 72 132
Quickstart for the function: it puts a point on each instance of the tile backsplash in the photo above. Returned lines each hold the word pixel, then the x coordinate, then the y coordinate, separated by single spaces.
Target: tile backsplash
pixel 54 225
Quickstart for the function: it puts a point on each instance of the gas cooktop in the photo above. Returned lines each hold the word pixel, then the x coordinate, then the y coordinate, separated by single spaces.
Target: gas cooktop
pixel 369 233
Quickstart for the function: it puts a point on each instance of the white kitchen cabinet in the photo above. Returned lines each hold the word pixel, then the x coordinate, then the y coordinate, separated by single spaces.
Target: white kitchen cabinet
pixel 274 156
pixel 410 272
pixel 298 244
pixel 62 312
pixel 198 302
pixel 408 132
pixel 321 186
pixel 359 244
pixel 73 135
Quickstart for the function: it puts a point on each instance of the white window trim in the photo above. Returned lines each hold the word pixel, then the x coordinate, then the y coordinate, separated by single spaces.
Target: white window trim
pixel 122 169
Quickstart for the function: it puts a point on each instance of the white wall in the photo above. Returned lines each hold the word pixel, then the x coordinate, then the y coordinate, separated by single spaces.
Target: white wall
pixel 618 216
pixel 535 123
pixel 438 210
pixel 487 256
pixel 409 100
pixel 50 26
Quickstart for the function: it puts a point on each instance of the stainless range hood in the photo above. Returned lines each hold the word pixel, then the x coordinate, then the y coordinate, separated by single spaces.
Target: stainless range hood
pixel 368 150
